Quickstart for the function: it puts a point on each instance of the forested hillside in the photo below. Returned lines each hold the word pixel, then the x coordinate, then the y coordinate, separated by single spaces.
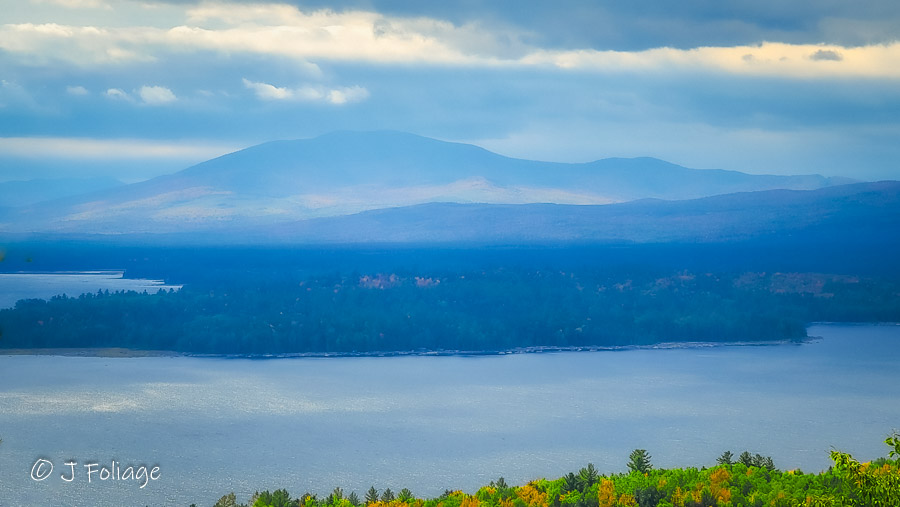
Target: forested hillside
pixel 476 310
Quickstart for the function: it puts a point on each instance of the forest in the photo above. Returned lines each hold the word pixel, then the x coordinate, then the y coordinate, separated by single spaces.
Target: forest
pixel 749 480
pixel 458 308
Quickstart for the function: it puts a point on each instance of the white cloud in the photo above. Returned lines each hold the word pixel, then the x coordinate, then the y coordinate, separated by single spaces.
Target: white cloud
pixel 105 149
pixel 76 4
pixel 76 90
pixel 768 59
pixel 78 45
pixel 308 93
pixel 345 95
pixel 360 36
pixel 117 94
pixel 267 91
pixel 156 95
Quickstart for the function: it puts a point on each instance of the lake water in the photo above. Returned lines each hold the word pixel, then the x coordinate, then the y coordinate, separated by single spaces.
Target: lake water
pixel 16 286
pixel 216 425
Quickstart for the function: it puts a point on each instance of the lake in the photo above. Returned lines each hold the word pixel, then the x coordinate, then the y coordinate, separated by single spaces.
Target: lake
pixel 215 425
pixel 16 286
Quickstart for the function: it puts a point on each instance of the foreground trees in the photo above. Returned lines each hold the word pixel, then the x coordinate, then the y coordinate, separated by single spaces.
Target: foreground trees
pixel 848 484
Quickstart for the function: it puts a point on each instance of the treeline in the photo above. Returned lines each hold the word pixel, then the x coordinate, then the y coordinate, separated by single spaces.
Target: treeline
pixel 468 310
pixel 848 483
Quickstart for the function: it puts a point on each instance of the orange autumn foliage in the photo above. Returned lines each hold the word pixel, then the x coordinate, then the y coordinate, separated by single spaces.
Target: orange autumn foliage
pixel 718 485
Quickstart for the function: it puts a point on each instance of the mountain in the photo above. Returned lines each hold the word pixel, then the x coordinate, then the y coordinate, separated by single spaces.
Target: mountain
pixel 348 172
pixel 853 212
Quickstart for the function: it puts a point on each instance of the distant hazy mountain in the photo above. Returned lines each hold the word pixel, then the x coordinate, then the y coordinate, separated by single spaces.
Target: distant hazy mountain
pixel 348 172
pixel 862 211
pixel 27 192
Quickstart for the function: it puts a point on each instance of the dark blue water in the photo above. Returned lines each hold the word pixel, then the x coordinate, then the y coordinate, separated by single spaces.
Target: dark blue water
pixel 433 423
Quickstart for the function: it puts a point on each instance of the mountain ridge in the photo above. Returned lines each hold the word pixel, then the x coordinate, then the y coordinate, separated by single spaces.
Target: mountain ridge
pixel 347 172
pixel 840 211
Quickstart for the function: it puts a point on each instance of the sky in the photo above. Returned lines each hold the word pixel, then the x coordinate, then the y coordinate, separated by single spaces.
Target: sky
pixel 133 89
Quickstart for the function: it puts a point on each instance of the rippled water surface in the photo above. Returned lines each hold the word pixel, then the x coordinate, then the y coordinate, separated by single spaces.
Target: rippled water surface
pixel 432 423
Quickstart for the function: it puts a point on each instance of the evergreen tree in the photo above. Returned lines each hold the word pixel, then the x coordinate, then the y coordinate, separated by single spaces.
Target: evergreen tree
pixel 586 477
pixel 228 500
pixel 726 458
pixel 639 461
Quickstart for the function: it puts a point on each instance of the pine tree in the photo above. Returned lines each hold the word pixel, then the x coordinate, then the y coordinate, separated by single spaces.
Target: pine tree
pixel 640 461
pixel 371 495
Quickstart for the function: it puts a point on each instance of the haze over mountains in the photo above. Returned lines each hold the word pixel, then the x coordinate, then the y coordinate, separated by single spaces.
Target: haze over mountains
pixel 29 192
pixel 411 188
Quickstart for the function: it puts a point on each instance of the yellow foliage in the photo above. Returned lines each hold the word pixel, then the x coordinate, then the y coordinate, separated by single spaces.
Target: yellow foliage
pixel 724 496
pixel 696 495
pixel 720 476
pixel 532 496
pixel 506 502
pixel 606 493
pixel 627 500
pixel 718 485
pixel 469 501
pixel 678 497
pixel 819 501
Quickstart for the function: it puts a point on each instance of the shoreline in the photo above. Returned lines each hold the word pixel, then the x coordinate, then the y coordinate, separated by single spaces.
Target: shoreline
pixel 120 352
pixel 117 352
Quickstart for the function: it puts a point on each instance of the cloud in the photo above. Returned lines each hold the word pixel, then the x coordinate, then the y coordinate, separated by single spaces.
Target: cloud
pixel 103 149
pixel 117 94
pixel 767 59
pixel 13 93
pixel 76 90
pixel 76 4
pixel 336 96
pixel 268 92
pixel 156 95
pixel 284 31
pixel 826 54
pixel 43 43
pixel 345 95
